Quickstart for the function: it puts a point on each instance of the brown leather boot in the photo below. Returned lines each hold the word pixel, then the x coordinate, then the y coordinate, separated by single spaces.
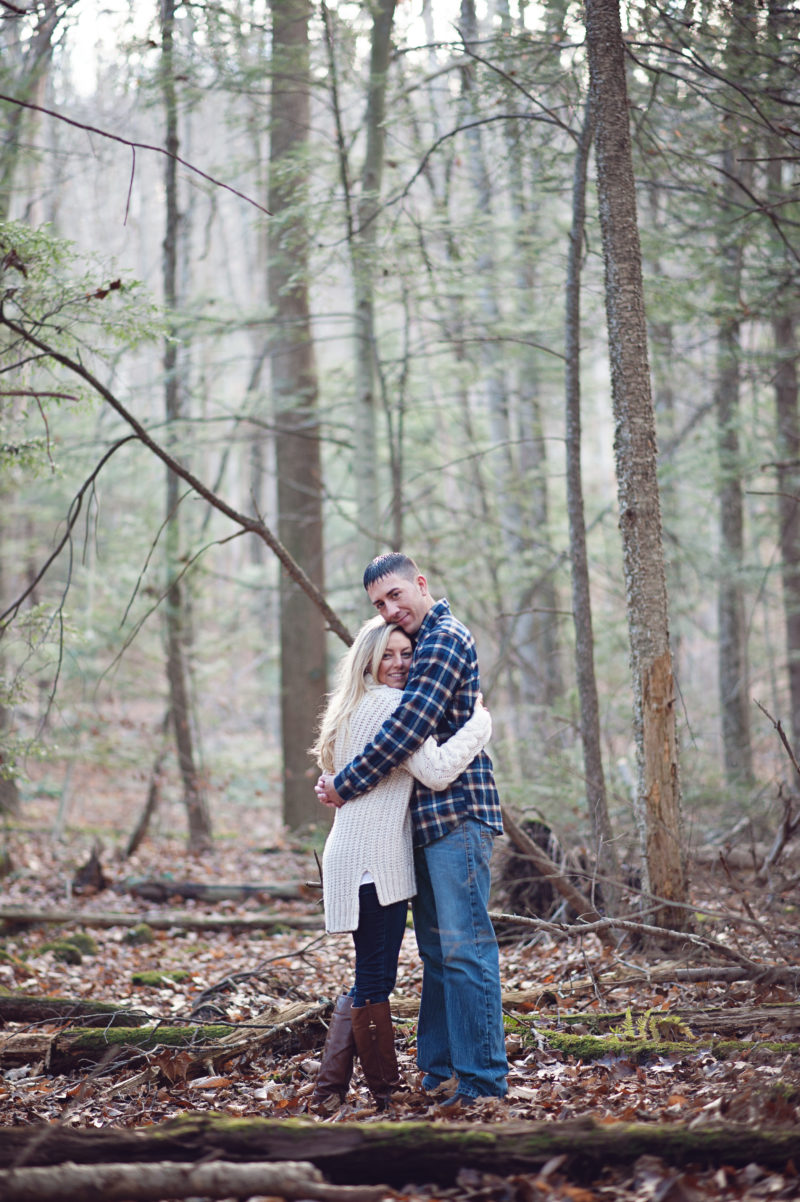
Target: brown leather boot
pixel 374 1038
pixel 336 1069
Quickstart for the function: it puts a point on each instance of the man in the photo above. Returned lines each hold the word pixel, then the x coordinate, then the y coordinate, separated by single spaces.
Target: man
pixel 460 1028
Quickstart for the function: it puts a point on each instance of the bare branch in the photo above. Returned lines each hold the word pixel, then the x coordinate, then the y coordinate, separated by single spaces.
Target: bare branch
pixel 134 146
pixel 253 525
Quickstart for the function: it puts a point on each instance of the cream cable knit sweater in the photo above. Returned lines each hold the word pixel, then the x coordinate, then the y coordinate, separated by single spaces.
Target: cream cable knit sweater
pixel 372 833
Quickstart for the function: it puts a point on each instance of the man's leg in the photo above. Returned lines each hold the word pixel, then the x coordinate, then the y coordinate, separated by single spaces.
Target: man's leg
pixel 433 1044
pixel 465 971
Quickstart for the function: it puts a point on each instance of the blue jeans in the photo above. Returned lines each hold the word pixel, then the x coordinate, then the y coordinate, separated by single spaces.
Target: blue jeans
pixel 460 1017
pixel 377 939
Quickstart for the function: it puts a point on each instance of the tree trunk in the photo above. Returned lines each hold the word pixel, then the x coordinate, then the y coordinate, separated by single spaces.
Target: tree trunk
pixel 658 805
pixel 363 248
pixel 788 448
pixel 294 383
pixel 31 58
pixel 734 699
pixel 199 821
pixel 602 834
pixel 787 413
pixel 536 628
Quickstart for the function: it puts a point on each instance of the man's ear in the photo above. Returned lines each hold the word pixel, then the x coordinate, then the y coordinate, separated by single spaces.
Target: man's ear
pixel 422 584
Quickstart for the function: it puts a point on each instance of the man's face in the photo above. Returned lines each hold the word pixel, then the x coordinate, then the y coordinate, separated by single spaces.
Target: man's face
pixel 401 601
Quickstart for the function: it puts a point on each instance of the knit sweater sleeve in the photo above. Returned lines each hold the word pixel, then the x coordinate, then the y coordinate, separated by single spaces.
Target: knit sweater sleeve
pixel 437 765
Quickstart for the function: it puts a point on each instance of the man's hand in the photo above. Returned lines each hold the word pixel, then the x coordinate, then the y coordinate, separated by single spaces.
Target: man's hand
pixel 326 794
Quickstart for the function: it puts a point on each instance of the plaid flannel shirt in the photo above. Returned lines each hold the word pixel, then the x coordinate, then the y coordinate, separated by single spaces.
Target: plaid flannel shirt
pixel 439 696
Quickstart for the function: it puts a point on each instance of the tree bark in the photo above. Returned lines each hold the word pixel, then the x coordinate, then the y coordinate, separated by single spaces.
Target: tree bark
pixel 734 699
pixel 602 834
pixel 28 61
pixel 294 384
pixel 155 889
pixel 787 411
pixel 363 250
pixel 658 803
pixel 379 1152
pixel 153 1182
pixel 176 620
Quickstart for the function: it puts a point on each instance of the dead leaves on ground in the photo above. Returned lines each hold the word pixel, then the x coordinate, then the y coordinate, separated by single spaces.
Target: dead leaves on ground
pixel 233 978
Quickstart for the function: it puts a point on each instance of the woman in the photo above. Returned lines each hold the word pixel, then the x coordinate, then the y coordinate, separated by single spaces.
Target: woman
pixel 368 863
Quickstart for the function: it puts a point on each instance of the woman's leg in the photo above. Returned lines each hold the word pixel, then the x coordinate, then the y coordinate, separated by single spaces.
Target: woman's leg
pixel 377 941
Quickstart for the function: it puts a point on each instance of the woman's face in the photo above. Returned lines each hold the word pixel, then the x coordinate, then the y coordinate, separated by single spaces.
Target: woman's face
pixel 396 661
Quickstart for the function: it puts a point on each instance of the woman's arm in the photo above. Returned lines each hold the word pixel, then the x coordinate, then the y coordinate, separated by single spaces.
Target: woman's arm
pixel 437 765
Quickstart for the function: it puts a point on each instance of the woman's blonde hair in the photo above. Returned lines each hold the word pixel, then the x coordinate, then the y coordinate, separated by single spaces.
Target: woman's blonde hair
pixel 356 667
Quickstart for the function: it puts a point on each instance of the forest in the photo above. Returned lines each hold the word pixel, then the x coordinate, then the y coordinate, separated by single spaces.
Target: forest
pixel 511 286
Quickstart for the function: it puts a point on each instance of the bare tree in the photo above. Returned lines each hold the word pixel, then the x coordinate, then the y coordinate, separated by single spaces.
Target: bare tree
pixel 602 834
pixel 658 807
pixel 26 50
pixel 294 386
pixel 176 618
pixel 787 413
pixel 363 250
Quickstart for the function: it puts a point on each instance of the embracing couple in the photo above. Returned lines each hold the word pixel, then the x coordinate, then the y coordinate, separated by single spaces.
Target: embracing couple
pixel 400 746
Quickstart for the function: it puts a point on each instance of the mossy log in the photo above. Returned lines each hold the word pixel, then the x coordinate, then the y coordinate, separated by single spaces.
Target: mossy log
pixel 641 1049
pixel 25 1008
pixel 398 1154
pixel 214 1044
pixel 781 1019
pixel 14 917
pixel 76 1047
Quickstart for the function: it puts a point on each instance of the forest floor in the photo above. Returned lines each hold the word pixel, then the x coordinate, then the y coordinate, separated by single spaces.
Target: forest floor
pixel 239 975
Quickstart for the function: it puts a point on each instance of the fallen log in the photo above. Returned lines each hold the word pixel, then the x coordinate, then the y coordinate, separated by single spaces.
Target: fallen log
pixel 18 916
pixel 152 1182
pixel 26 1008
pixel 398 1154
pixel 196 1046
pixel 161 889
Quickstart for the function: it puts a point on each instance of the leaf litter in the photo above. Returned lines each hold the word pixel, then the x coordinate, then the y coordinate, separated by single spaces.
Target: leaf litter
pixel 232 977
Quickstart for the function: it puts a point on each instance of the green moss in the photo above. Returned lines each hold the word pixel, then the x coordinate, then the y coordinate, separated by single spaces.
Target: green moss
pixel 156 977
pixel 171 1037
pixel 593 1047
pixel 84 942
pixel 64 950
pixel 727 1049
pixel 139 935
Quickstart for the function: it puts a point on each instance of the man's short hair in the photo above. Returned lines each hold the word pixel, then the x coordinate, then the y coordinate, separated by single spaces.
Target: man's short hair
pixel 384 565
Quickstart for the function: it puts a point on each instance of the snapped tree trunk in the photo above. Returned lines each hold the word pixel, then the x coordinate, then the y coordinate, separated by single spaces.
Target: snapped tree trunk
pixel 294 385
pixel 658 806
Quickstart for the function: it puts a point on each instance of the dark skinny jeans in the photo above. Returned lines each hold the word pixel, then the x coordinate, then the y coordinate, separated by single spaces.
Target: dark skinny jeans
pixel 377 940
